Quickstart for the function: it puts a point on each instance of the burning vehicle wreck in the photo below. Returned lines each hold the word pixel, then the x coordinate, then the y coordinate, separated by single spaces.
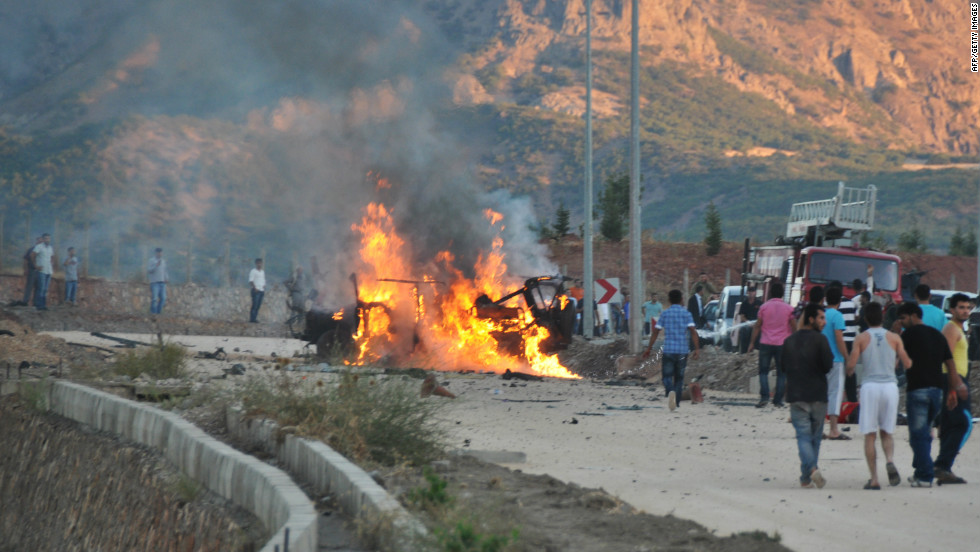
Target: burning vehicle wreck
pixel 541 303
pixel 428 311
pixel 547 305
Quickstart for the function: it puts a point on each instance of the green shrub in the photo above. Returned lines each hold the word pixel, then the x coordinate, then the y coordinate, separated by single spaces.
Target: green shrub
pixel 35 394
pixel 434 496
pixel 161 361
pixel 365 419
pixel 463 537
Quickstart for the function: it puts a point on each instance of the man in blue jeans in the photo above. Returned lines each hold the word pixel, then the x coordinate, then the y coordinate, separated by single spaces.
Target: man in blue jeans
pixel 156 273
pixel 678 325
pixel 774 325
pixel 807 359
pixel 928 349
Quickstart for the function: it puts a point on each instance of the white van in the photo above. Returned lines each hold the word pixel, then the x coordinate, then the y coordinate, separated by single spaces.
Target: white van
pixel 719 318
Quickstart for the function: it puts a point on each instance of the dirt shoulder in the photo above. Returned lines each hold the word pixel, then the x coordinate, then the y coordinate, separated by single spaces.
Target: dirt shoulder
pixel 600 463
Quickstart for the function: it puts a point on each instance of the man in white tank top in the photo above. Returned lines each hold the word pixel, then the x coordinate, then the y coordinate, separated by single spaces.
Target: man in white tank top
pixel 878 350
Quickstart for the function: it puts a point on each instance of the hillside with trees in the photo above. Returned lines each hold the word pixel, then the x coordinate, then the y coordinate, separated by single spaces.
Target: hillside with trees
pixel 253 127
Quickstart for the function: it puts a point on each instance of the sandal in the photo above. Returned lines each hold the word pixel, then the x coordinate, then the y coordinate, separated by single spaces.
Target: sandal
pixel 869 487
pixel 893 478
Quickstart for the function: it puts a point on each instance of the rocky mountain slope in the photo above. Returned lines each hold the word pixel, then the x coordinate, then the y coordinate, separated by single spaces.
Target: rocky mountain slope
pixel 273 122
pixel 894 72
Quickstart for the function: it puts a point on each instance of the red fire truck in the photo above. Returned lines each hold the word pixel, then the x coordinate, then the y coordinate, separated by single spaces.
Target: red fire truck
pixel 820 247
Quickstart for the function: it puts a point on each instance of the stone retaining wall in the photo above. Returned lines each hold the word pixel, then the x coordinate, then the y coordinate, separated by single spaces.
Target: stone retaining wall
pixel 182 300
pixel 256 486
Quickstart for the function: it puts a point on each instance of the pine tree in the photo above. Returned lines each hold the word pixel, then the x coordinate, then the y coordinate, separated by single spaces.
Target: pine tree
pixel 614 203
pixel 912 240
pixel 561 225
pixel 956 242
pixel 963 244
pixel 712 224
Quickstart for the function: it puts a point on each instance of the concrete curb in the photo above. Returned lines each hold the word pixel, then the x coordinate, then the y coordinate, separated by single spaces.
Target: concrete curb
pixel 256 486
pixel 327 471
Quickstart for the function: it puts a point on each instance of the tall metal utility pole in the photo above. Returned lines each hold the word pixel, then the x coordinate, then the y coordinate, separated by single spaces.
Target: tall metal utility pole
pixel 636 256
pixel 587 276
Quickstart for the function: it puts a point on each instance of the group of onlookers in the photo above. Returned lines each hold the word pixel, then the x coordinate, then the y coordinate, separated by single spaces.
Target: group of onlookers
pixel 812 355
pixel 39 262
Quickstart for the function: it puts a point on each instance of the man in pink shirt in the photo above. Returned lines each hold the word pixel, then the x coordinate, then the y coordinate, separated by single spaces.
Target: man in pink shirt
pixel 776 323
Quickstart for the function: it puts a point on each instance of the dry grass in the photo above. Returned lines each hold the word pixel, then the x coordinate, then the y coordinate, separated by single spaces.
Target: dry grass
pixel 367 419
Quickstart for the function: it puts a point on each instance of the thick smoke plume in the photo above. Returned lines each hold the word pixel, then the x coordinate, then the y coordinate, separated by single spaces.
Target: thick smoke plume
pixel 273 123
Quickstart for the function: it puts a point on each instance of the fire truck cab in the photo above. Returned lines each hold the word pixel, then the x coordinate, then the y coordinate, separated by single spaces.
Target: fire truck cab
pixel 819 248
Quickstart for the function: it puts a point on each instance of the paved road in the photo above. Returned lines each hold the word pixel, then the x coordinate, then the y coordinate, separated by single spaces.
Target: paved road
pixel 724 464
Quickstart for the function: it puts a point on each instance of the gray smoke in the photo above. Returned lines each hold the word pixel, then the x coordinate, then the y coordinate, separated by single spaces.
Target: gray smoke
pixel 269 123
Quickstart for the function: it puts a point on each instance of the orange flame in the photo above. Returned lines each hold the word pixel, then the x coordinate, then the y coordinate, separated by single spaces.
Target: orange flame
pixel 434 322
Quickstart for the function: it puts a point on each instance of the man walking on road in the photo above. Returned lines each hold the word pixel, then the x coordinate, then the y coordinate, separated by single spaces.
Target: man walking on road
pixel 929 351
pixel 256 280
pixel 807 359
pixel 956 420
pixel 678 325
pixel 834 332
pixel 878 350
pixel 775 324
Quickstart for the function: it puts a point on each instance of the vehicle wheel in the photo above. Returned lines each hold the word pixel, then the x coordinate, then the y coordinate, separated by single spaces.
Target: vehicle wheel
pixel 726 344
pixel 297 325
pixel 566 323
pixel 337 341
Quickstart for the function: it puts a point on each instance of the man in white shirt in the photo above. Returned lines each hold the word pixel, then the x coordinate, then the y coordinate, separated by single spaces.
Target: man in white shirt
pixel 41 257
pixel 256 279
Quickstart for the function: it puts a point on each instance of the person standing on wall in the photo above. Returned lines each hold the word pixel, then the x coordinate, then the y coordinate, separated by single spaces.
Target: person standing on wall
pixel 256 280
pixel 71 277
pixel 156 273
pixel 42 257
pixel 30 274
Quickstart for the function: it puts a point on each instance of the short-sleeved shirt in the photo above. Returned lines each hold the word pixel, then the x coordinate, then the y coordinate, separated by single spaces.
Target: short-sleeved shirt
pixel 71 269
pixel 933 316
pixel 674 322
pixel 42 257
pixel 652 310
pixel 929 351
pixel 835 321
pixel 776 317
pixel 848 309
pixel 257 278
pixel 750 309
